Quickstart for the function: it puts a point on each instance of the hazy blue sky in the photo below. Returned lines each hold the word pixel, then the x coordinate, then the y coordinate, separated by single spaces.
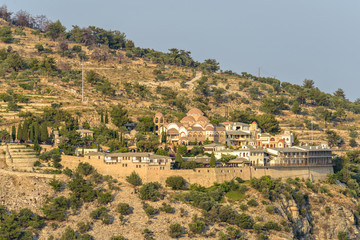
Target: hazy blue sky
pixel 291 40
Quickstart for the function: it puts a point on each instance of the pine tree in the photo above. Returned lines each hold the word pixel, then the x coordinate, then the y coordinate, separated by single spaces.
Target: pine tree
pixel 106 117
pixel 13 133
pixel 213 160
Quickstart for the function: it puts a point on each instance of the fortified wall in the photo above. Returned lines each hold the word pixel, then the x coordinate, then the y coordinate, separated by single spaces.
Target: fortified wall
pixel 202 176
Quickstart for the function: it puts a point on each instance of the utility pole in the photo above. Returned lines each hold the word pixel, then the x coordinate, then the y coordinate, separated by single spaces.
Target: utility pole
pixel 82 81
pixel 312 137
pixel 259 73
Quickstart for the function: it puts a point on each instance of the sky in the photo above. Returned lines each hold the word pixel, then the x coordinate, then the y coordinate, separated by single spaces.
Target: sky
pixel 286 39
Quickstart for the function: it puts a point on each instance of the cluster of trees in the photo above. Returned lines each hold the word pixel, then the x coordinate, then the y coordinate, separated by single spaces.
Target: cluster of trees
pixel 24 19
pixel 101 83
pixel 267 122
pixel 19 225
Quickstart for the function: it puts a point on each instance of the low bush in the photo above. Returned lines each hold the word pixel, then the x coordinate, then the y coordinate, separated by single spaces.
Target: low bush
pixel 124 209
pixel 175 230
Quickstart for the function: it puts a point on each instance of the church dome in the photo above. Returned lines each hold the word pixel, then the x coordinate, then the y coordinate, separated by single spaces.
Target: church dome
pixel 188 119
pixel 195 111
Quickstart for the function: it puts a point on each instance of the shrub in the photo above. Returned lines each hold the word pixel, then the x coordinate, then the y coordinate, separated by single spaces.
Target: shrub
pixel 104 197
pixel 176 230
pixel 148 235
pixel 252 203
pixel 244 221
pixel 176 182
pixel 149 210
pixel 243 207
pixel 134 179
pixel 124 209
pixel 101 214
pixel 39 47
pixel 197 226
pixel 167 208
pixel 270 209
pixel 270 225
pixel 149 191
pixel 343 236
pixel 83 227
pixel 117 237
pixel 55 184
pixel 327 209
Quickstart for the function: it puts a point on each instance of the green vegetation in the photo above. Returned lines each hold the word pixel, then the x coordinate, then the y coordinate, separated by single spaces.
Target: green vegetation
pixel 134 179
pixel 176 182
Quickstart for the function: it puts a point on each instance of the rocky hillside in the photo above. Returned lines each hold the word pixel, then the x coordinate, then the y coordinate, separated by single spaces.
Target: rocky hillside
pixel 259 209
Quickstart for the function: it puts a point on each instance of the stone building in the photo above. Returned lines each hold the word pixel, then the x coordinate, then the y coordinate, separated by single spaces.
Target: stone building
pixel 194 127
pixel 307 155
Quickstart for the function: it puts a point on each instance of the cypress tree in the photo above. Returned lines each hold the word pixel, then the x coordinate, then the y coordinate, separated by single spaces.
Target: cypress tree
pixel 44 135
pixel 25 131
pixel 212 160
pixel 178 160
pixel 19 132
pixel 163 137
pixel 102 117
pixel 32 132
pixel 36 133
pixel 106 117
pixel 13 133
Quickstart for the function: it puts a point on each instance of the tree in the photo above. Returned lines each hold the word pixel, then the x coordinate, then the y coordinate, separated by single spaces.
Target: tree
pixel 308 83
pixel 4 135
pixel 176 182
pixel 134 179
pixel 178 161
pixel 55 184
pixel 106 117
pixel 56 209
pixel 119 115
pixel 339 93
pixel 55 30
pixel 182 149
pixel 212 160
pixel 268 123
pixel 13 133
pixel 209 66
pixel 6 34
pixel 333 138
pixel 163 137
pixel 85 169
pixel 295 108
pixel 162 152
pixel 44 135
pixel 149 191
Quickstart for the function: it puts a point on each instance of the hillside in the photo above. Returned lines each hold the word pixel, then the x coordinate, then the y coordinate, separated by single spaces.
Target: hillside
pixel 144 87
pixel 45 69
pixel 311 211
